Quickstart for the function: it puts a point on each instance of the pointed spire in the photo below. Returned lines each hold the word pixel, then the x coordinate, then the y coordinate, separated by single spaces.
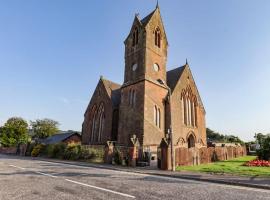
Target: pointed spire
pixel 186 62
pixel 157 6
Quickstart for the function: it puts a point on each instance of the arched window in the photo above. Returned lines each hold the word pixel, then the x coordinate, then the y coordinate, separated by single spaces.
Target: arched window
pixel 135 35
pixel 183 110
pixel 93 122
pixel 98 124
pixel 133 98
pixel 191 141
pixel 157 115
pixel 157 37
pixel 189 108
pixel 129 97
pixel 158 118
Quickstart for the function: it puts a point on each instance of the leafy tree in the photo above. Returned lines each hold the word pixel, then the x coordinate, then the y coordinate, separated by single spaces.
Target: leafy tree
pixel 43 128
pixel 217 137
pixel 259 138
pixel 14 132
pixel 214 136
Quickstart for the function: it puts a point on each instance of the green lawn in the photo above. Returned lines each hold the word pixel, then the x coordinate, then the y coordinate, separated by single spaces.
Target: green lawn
pixel 234 166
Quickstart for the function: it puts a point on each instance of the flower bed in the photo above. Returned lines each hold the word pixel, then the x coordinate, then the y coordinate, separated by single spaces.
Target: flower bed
pixel 257 163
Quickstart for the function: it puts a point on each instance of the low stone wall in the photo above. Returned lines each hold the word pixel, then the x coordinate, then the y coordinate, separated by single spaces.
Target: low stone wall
pixel 8 150
pixel 196 156
pixel 13 150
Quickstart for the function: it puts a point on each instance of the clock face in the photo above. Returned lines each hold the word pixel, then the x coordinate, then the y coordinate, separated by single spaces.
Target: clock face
pixel 156 67
pixel 134 67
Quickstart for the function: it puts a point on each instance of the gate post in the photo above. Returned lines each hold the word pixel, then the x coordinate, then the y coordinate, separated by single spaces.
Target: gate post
pixel 165 154
pixel 133 150
pixel 108 152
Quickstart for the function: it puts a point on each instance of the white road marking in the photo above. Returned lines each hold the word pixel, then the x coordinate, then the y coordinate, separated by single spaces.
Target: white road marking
pixel 163 177
pixel 45 174
pixel 34 171
pixel 155 176
pixel 79 183
pixel 103 189
pixel 17 167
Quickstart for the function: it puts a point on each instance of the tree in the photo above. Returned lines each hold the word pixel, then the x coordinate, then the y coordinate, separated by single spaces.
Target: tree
pixel 259 138
pixel 217 137
pixel 14 132
pixel 43 128
pixel 214 136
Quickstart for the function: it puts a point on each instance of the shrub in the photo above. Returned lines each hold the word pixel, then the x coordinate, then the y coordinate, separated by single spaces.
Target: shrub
pixel 264 152
pixel 59 150
pixel 88 153
pixel 49 150
pixel 72 151
pixel 29 149
pixel 37 150
pixel 117 157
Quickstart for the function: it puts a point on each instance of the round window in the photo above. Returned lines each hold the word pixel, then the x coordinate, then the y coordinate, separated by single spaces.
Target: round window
pixel 156 67
pixel 134 66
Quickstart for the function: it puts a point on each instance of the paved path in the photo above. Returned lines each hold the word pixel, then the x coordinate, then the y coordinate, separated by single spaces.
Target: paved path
pixel 35 179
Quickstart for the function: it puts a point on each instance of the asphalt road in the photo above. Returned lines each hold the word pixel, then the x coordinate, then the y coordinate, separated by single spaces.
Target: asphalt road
pixel 34 179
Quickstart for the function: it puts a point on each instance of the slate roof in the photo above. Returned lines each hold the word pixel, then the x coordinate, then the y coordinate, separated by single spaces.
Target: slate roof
pixel 173 76
pixel 113 90
pixel 146 19
pixel 59 137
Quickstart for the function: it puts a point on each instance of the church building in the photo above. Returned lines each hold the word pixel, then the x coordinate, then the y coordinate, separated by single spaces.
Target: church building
pixel 152 101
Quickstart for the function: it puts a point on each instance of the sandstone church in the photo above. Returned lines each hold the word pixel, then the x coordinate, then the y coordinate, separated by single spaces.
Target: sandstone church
pixel 151 100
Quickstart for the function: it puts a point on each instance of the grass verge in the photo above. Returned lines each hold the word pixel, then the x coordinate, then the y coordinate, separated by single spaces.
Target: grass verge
pixel 234 166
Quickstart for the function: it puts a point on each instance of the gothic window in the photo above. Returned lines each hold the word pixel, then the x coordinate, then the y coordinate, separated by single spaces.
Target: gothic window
pixel 93 122
pixel 157 116
pixel 129 97
pixel 135 37
pixel 132 97
pixel 191 141
pixel 189 108
pixel 157 37
pixel 100 119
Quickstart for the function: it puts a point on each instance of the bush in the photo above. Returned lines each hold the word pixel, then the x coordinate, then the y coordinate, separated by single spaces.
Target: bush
pixel 91 154
pixel 49 150
pixel 72 151
pixel 29 149
pixel 264 152
pixel 59 150
pixel 37 150
pixel 117 157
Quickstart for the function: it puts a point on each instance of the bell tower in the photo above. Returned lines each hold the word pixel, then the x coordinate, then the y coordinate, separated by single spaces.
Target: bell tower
pixel 142 109
pixel 146 49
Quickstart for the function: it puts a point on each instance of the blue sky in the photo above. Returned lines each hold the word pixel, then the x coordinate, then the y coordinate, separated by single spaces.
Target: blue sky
pixel 52 54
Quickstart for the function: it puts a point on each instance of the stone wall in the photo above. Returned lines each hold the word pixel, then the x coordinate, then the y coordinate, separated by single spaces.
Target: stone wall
pixel 196 156
pixel 13 150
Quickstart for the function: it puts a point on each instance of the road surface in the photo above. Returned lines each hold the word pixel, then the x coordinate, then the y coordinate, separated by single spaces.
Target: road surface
pixel 24 178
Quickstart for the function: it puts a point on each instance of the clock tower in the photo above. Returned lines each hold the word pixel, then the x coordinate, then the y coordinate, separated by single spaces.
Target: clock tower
pixel 143 94
pixel 146 49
